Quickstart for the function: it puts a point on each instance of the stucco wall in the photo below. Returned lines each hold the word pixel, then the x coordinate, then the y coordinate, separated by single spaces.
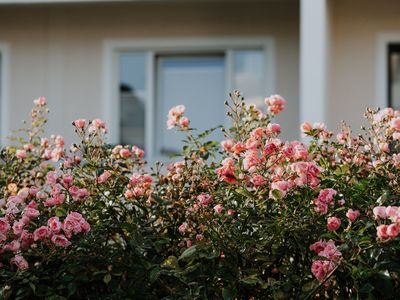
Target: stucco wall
pixel 355 26
pixel 57 49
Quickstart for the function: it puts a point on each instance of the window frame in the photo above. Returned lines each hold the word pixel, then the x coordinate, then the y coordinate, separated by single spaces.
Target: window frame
pixel 154 47
pixel 4 91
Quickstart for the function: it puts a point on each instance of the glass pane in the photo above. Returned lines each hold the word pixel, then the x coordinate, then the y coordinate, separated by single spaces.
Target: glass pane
pixel 198 82
pixel 132 97
pixel 394 92
pixel 249 74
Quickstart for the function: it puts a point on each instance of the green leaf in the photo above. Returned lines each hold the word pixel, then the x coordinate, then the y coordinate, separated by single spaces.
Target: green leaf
pixel 188 252
pixel 107 278
pixel 227 294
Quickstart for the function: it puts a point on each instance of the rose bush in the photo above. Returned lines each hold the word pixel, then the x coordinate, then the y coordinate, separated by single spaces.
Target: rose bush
pixel 250 217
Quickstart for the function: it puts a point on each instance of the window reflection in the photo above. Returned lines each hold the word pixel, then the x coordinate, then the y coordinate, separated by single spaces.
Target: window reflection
pixel 132 97
pixel 249 74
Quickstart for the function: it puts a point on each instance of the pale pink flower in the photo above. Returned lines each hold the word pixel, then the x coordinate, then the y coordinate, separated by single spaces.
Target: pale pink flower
pixel 395 124
pixel 183 227
pixel 28 147
pixel 275 104
pixel 231 212
pixel 218 208
pixel 20 262
pixel 54 224
pixel 80 123
pixel 227 145
pixel 125 153
pixel 59 141
pixel 41 233
pixel 352 215
pixel 4 225
pixel 333 223
pixel 103 178
pixel 273 129
pixel 18 226
pixel 31 213
pixel 257 133
pixel 392 231
pixel 321 269
pixel 41 101
pixel 379 212
pixel 199 237
pixel 258 180
pixel 204 199
pixel 138 152
pixel 381 231
pixel 14 246
pixel 21 154
pixel 60 240
pixel 306 127
pixel 184 122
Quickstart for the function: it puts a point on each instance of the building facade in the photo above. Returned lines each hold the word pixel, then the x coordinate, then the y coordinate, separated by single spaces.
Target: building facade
pixel 129 61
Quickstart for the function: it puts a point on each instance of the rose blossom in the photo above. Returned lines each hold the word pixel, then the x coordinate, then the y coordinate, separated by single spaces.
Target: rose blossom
pixel 392 231
pixel 352 215
pixel 20 262
pixel 80 123
pixel 20 154
pixel 218 208
pixel 382 232
pixel 182 229
pixel 60 240
pixel 41 233
pixel 333 223
pixel 54 224
pixel 275 104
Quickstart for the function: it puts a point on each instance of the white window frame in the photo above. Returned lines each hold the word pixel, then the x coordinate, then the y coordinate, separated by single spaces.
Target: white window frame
pixel 4 92
pixel 383 40
pixel 152 47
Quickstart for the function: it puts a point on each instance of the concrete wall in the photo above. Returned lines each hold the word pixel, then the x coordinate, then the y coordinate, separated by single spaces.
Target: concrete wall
pixel 355 26
pixel 56 50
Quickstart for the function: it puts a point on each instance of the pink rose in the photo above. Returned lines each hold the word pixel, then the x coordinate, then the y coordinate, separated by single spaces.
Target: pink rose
pixel 125 153
pixel 333 223
pixel 275 104
pixel 41 101
pixel 382 232
pixel 182 229
pixel 31 213
pixel 204 199
pixel 54 225
pixel 273 129
pixel 18 227
pixel 21 154
pixel 231 212
pixel 184 122
pixel 227 145
pixel 20 262
pixel 41 233
pixel 306 127
pixel 4 225
pixel 392 231
pixel 352 215
pixel 103 177
pixel 218 208
pixel 80 123
pixel 138 152
pixel 60 240
pixel 321 269
pixel 379 212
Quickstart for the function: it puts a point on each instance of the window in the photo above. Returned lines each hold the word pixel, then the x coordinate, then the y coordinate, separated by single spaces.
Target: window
pixel 152 76
pixel 394 75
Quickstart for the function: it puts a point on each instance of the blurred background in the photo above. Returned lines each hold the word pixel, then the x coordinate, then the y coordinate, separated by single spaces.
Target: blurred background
pixel 128 62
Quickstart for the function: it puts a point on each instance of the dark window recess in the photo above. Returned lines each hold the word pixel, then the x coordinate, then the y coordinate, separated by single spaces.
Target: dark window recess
pixel 393 70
